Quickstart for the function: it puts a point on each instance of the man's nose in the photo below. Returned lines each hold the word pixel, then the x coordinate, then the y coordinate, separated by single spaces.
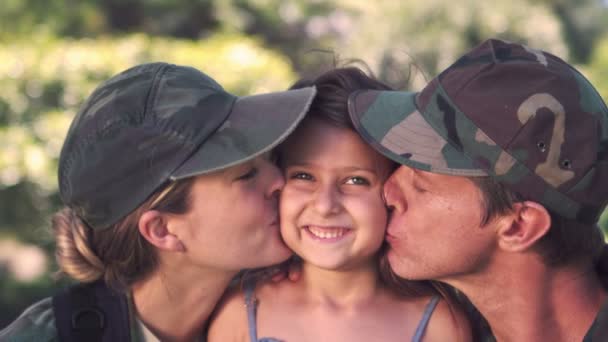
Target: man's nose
pixel 393 194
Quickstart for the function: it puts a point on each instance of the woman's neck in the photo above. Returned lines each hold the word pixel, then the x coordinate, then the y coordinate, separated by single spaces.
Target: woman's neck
pixel 175 303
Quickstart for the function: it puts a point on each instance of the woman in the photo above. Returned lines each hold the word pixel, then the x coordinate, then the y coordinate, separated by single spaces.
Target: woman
pixel 170 190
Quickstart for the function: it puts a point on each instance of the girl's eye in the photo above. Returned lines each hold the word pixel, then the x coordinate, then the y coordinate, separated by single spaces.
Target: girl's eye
pixel 249 174
pixel 357 181
pixel 301 176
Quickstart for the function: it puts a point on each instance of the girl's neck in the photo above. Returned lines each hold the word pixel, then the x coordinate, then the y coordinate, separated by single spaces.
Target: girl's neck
pixel 175 303
pixel 341 288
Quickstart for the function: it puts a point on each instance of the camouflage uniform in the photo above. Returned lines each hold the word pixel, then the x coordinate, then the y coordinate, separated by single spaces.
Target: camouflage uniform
pixel 504 110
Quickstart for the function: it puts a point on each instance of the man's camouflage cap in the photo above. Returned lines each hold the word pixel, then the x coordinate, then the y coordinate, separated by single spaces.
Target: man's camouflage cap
pixel 159 122
pixel 505 110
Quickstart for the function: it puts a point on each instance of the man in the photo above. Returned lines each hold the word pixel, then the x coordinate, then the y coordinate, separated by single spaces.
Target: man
pixel 504 175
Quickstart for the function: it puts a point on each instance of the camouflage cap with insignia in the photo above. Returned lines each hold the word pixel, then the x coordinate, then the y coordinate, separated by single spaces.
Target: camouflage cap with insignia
pixel 159 122
pixel 521 115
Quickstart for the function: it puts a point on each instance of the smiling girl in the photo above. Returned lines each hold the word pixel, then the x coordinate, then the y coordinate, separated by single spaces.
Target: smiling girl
pixel 334 218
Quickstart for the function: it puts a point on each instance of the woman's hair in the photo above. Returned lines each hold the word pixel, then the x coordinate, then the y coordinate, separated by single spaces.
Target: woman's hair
pixel 118 254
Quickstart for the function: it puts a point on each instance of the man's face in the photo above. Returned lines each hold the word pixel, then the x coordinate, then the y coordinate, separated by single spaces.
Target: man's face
pixel 435 228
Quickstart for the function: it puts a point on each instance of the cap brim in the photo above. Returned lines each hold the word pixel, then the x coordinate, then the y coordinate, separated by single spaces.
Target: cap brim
pixel 391 123
pixel 256 124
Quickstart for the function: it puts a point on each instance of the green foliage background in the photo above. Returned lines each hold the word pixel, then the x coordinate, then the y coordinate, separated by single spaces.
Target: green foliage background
pixel 54 52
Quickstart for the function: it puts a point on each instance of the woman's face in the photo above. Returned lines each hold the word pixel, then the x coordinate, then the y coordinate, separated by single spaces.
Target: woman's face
pixel 233 222
pixel 332 213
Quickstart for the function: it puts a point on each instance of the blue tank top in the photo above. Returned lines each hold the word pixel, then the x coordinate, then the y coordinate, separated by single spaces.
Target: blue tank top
pixel 251 305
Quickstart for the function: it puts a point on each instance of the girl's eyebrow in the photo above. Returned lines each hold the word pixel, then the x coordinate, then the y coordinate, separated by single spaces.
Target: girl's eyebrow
pixel 346 168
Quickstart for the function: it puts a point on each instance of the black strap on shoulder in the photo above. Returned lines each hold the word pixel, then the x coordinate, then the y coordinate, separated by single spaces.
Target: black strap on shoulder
pixel 91 312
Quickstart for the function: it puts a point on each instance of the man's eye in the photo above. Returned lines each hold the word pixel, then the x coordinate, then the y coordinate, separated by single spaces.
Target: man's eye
pixel 301 176
pixel 418 188
pixel 249 174
pixel 357 181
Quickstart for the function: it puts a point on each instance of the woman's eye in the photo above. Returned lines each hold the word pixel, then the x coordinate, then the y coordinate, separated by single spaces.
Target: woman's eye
pixel 249 174
pixel 357 181
pixel 301 176
pixel 273 157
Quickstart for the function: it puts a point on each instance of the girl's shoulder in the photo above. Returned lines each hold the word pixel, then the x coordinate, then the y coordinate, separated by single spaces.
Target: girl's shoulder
pixel 229 319
pixel 448 322
pixel 232 317
pixel 36 323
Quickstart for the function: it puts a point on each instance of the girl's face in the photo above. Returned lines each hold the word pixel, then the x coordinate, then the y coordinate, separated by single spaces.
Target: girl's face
pixel 332 213
pixel 233 222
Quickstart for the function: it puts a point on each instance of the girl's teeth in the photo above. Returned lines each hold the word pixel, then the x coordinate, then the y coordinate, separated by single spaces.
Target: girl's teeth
pixel 327 234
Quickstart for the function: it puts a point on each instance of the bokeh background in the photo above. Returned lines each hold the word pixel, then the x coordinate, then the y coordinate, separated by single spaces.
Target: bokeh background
pixel 54 52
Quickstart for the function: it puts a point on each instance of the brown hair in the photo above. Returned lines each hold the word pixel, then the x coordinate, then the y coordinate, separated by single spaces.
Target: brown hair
pixel 333 89
pixel 118 254
pixel 566 242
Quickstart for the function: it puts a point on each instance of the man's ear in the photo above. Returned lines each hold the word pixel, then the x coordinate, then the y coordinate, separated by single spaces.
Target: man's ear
pixel 524 226
pixel 153 227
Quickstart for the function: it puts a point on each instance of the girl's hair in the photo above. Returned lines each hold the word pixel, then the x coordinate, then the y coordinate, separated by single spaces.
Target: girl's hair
pixel 118 254
pixel 331 105
pixel 333 89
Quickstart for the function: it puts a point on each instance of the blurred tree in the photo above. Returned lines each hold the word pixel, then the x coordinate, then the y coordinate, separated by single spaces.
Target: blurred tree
pixel 51 63
pixel 597 69
pixel 581 25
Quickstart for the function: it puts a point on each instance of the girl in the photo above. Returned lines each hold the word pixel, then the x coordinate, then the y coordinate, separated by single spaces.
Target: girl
pixel 169 192
pixel 334 218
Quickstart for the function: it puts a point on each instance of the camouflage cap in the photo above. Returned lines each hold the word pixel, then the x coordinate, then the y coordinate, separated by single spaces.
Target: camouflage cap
pixel 505 110
pixel 159 122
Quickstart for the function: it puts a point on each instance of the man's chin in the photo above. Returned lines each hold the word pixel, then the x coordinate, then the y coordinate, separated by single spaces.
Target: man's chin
pixel 404 267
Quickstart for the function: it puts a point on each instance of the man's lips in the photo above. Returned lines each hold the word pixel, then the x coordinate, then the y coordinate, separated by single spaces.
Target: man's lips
pixel 391 235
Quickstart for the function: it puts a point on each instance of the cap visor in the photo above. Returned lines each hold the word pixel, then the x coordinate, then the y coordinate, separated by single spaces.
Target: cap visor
pixel 256 124
pixel 391 122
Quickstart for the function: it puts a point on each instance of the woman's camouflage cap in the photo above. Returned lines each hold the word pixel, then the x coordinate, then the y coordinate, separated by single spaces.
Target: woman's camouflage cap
pixel 159 122
pixel 521 115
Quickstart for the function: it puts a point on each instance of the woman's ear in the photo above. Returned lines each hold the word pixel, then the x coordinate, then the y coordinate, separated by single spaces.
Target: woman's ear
pixel 524 226
pixel 153 227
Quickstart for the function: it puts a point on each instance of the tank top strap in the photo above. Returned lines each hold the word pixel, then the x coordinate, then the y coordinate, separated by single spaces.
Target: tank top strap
pixel 424 321
pixel 251 306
